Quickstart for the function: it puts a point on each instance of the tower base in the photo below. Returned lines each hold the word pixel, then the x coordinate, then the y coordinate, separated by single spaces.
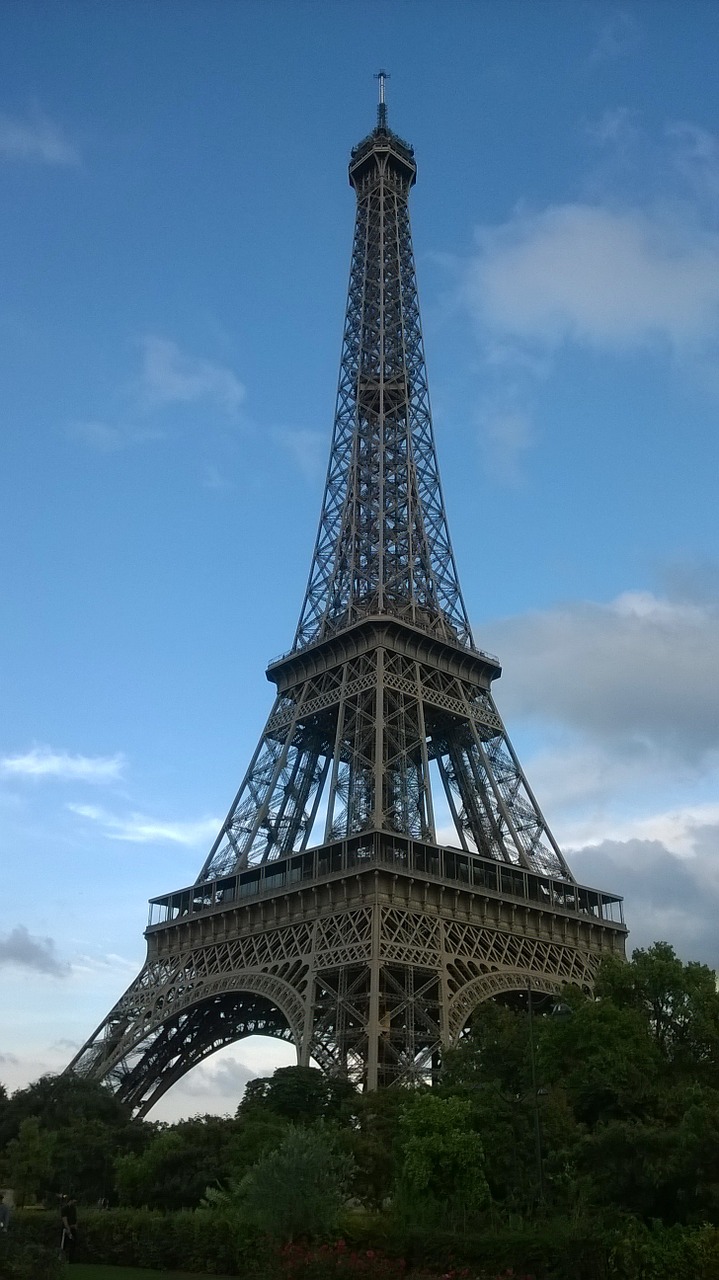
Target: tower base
pixel 369 955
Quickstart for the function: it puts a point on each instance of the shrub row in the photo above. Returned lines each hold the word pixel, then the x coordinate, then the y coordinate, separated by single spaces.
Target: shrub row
pixel 27 1260
pixel 185 1241
pixel 212 1243
pixel 556 1250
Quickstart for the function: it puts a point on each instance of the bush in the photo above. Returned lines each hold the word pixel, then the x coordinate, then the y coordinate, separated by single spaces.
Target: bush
pixel 27 1259
pixel 374 1248
pixel 298 1190
pixel 185 1241
pixel 666 1253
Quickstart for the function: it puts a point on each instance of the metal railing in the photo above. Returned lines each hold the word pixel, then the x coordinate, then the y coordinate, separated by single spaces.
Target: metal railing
pixel 454 868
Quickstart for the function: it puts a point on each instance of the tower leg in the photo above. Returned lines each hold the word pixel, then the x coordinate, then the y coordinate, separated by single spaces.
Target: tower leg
pixel 304 1048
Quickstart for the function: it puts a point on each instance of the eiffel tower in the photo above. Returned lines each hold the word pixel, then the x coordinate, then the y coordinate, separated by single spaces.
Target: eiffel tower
pixel 385 866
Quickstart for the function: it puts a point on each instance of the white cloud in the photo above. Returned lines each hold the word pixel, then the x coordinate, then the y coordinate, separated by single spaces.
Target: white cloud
pixel 167 376
pixel 19 949
pixel 624 700
pixel 694 155
pixel 506 435
pixel 170 376
pixel 103 436
pixel 617 127
pixel 666 897
pixel 44 762
pixel 616 37
pixel 580 825
pixel 84 965
pixel 217 1084
pixel 226 1078
pixel 638 673
pixel 596 275
pixel 36 139
pixel 308 449
pixel 629 266
pixel 215 479
pixel 137 828
pixel 109 437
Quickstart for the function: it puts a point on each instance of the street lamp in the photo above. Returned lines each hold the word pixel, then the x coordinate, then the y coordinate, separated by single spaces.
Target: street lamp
pixel 559 1010
pixel 535 1098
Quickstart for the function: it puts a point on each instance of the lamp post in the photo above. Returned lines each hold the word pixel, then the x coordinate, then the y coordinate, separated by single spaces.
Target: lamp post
pixel 535 1098
pixel 559 1010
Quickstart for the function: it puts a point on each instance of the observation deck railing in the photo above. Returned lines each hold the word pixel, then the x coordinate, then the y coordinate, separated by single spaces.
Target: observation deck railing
pixel 449 867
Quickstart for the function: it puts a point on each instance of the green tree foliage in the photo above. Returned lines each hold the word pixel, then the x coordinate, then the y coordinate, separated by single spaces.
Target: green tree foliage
pixel 59 1102
pixel 678 1002
pixel 28 1161
pixel 602 1056
pixel 28 1260
pixel 296 1191
pixel 302 1095
pixel 89 1127
pixel 626 1093
pixel 495 1053
pixel 373 1140
pixel 178 1163
pixel 443 1157
pixel 491 1069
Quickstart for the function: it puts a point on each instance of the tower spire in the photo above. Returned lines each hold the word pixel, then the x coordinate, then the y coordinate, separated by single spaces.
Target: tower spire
pixel 382 76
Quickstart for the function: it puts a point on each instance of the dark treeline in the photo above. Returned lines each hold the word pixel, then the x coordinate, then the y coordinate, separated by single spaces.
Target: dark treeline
pixel 597 1111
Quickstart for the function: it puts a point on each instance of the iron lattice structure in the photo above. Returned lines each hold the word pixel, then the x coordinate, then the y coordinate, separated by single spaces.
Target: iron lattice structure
pixel 385 864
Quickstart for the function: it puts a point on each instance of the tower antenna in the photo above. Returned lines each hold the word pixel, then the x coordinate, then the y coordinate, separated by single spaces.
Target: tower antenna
pixel 382 76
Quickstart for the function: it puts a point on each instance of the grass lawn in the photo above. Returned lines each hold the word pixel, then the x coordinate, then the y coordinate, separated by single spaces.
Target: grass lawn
pixel 84 1271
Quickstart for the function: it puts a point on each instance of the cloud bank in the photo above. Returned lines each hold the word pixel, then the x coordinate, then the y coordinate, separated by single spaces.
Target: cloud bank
pixel 638 672
pixel 37 140
pixel 20 949
pixel 137 828
pixel 44 762
pixel 629 266
pixel 598 276
pixel 665 897
pixel 170 376
pixel 624 699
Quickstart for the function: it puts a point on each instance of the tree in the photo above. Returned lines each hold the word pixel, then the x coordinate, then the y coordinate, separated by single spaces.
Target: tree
pixel 496 1051
pixel 90 1125
pixel 296 1191
pixel 84 1160
pixel 178 1164
pixel 29 1161
pixel 443 1157
pixel 491 1069
pixel 374 1144
pixel 59 1102
pixel 678 1002
pixel 302 1095
pixel 603 1057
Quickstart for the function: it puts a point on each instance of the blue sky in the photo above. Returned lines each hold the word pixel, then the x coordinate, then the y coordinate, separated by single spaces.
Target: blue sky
pixel 176 225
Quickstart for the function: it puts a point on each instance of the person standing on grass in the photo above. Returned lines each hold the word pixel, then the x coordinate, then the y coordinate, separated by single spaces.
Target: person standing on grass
pixel 68 1216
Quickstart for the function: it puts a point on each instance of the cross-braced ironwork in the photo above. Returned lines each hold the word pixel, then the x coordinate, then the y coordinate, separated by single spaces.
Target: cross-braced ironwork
pixel 385 864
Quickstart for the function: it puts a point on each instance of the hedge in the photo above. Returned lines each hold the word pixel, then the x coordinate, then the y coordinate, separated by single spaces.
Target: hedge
pixel 210 1242
pixel 200 1240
